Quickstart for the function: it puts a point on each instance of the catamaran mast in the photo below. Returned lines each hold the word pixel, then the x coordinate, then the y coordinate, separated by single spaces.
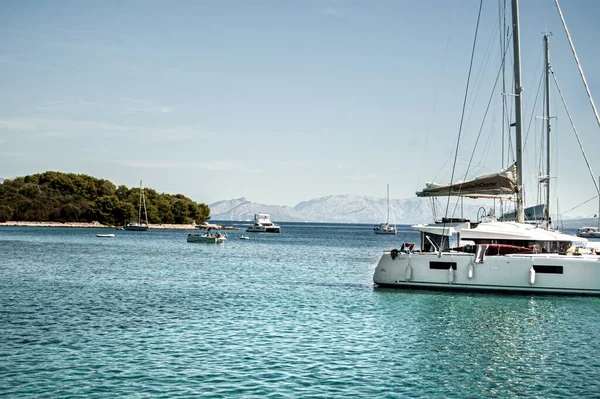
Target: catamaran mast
pixel 548 131
pixel 518 109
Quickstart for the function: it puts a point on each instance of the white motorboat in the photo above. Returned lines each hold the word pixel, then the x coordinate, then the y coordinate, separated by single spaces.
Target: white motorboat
pixel 262 224
pixel 588 232
pixel 207 238
pixel 591 232
pixel 491 255
pixel 244 238
pixel 106 235
pixel 139 225
pixel 387 227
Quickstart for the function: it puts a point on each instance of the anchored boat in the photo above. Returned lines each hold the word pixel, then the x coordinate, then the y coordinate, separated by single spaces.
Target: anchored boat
pixel 491 255
pixel 139 225
pixel 208 238
pixel 262 224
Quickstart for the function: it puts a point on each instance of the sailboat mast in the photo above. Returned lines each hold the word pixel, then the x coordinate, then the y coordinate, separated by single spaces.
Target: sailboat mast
pixel 140 205
pixel 518 109
pixel 145 210
pixel 548 131
pixel 388 204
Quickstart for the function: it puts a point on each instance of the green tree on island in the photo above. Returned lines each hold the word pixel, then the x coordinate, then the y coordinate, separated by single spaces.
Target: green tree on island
pixel 69 197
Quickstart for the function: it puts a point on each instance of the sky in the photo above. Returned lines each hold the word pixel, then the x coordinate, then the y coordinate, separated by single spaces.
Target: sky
pixel 285 101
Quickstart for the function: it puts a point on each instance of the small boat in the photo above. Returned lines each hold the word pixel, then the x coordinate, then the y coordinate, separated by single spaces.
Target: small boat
pixel 207 238
pixel 244 238
pixel 262 224
pixel 591 232
pixel 139 225
pixel 588 232
pixel 106 235
pixel 387 227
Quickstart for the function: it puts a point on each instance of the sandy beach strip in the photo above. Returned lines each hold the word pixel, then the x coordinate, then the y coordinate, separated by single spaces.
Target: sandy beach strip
pixel 98 225
pixel 95 225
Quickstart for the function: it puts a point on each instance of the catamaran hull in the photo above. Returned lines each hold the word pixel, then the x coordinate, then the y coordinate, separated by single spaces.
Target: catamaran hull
pixel 536 274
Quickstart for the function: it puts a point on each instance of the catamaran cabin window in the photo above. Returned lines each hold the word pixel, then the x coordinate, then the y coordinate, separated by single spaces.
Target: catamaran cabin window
pixel 442 265
pixel 548 269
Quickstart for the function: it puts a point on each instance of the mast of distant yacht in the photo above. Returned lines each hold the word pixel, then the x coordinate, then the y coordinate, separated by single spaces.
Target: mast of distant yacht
pixel 518 109
pixel 140 205
pixel 388 204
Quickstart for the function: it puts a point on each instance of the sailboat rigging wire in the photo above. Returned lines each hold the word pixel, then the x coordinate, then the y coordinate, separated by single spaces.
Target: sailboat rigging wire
pixel 587 89
pixel 462 116
pixel 531 119
pixel 575 131
pixel 577 206
pixel 435 100
pixel 477 81
pixel 486 112
pixel 483 121
pixel 502 19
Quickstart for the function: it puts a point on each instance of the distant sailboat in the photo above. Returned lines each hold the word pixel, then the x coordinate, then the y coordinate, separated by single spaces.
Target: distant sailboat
pixel 387 227
pixel 139 225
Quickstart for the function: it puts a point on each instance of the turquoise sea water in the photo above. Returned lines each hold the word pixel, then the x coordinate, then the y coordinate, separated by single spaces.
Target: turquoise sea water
pixel 294 315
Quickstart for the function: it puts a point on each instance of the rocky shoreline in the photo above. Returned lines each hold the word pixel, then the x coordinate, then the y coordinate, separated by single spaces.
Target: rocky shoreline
pixel 95 225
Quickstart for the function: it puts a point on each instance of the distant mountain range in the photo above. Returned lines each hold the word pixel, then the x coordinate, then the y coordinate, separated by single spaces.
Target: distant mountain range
pixel 333 209
pixel 351 209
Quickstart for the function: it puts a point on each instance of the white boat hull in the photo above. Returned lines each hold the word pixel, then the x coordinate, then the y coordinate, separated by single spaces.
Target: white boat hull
pixel 205 238
pixel 262 224
pixel 385 231
pixel 552 273
pixel 589 235
pixel 263 229
pixel 136 227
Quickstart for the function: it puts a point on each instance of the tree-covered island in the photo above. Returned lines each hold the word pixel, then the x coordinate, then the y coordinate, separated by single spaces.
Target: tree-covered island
pixel 69 197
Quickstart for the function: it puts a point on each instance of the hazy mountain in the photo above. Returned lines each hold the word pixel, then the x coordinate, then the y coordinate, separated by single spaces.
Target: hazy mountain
pixel 333 209
pixel 576 223
pixel 242 209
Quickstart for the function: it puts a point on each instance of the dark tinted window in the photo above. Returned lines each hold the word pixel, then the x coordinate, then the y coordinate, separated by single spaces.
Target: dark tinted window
pixel 442 265
pixel 548 269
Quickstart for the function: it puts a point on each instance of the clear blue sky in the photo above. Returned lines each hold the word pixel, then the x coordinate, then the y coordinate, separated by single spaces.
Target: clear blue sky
pixel 280 101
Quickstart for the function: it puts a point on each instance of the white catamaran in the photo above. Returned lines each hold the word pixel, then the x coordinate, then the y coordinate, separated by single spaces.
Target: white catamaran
pixel 490 255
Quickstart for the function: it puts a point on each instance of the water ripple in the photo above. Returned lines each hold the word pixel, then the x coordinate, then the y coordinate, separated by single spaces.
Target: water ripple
pixel 289 316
